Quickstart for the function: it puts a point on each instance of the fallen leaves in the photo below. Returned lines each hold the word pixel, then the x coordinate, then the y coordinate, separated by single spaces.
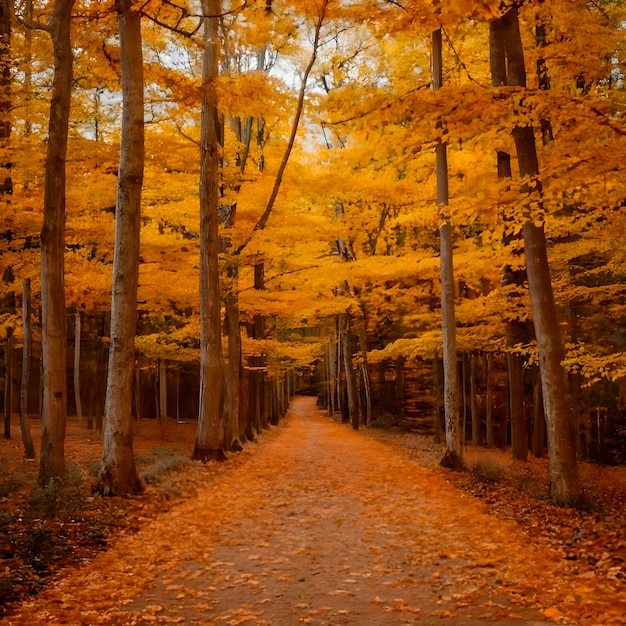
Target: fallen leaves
pixel 399 552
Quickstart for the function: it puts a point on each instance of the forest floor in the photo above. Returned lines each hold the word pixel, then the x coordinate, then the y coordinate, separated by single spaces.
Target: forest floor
pixel 315 524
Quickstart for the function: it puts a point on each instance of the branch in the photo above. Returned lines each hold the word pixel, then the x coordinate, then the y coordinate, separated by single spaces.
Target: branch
pixel 184 14
pixel 260 225
pixel 458 57
pixel 618 128
pixel 182 132
pixel 30 23
pixel 376 109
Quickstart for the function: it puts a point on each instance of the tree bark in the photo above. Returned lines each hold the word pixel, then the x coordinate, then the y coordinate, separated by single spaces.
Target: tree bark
pixel 453 456
pixel 27 331
pixel 210 436
pixel 53 331
pixel 118 473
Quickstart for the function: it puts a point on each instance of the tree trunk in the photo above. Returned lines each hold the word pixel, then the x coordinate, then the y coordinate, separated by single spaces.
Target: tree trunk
pixel 8 383
pixel 29 448
pixel 210 436
pixel 366 379
pixel 163 395
pixel 438 395
pixel 118 473
pixel 351 387
pixel 453 456
pixel 232 441
pixel 463 378
pixel 473 402
pixel 539 420
pixel 489 401
pixel 565 484
pixel 53 331
pixel 6 181
pixel 564 480
pixel 519 435
pixel 399 364
pixel 79 406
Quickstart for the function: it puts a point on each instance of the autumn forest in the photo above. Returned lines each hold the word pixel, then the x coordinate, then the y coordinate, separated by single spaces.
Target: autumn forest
pixel 413 211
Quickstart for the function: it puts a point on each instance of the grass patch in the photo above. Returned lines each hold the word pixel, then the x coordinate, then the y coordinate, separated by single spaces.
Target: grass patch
pixel 488 471
pixel 154 472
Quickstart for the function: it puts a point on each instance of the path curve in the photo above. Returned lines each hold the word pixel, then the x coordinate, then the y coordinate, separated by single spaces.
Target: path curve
pixel 319 525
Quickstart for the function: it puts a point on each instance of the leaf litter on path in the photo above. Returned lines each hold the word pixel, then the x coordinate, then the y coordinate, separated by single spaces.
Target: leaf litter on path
pixel 323 526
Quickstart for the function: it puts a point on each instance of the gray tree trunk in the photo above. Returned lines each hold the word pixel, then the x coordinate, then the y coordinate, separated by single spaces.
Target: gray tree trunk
pixel 118 473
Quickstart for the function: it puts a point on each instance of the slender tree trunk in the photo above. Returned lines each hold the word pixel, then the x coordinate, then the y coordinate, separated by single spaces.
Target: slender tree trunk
pixel 29 448
pixel 137 393
pixel 438 394
pixel 233 441
pixel 473 402
pixel 565 484
pixel 163 394
pixel 463 379
pixel 399 388
pixel 118 473
pixel 489 400
pixel 519 434
pixel 6 181
pixel 366 379
pixel 79 405
pixel 54 332
pixel 8 383
pixel 351 384
pixel 453 456
pixel 210 436
pixel 539 420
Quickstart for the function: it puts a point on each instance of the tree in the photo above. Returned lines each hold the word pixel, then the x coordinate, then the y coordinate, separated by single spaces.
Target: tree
pixel 453 456
pixel 6 183
pixel 564 481
pixel 54 408
pixel 29 448
pixel 210 437
pixel 118 473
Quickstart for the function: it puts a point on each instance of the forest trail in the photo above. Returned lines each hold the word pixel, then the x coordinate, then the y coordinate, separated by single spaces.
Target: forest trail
pixel 319 525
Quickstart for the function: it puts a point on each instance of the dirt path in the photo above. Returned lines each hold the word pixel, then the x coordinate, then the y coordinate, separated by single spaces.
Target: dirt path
pixel 319 525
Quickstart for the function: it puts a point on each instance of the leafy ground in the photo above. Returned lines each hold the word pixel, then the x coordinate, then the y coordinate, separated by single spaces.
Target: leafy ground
pixel 317 524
